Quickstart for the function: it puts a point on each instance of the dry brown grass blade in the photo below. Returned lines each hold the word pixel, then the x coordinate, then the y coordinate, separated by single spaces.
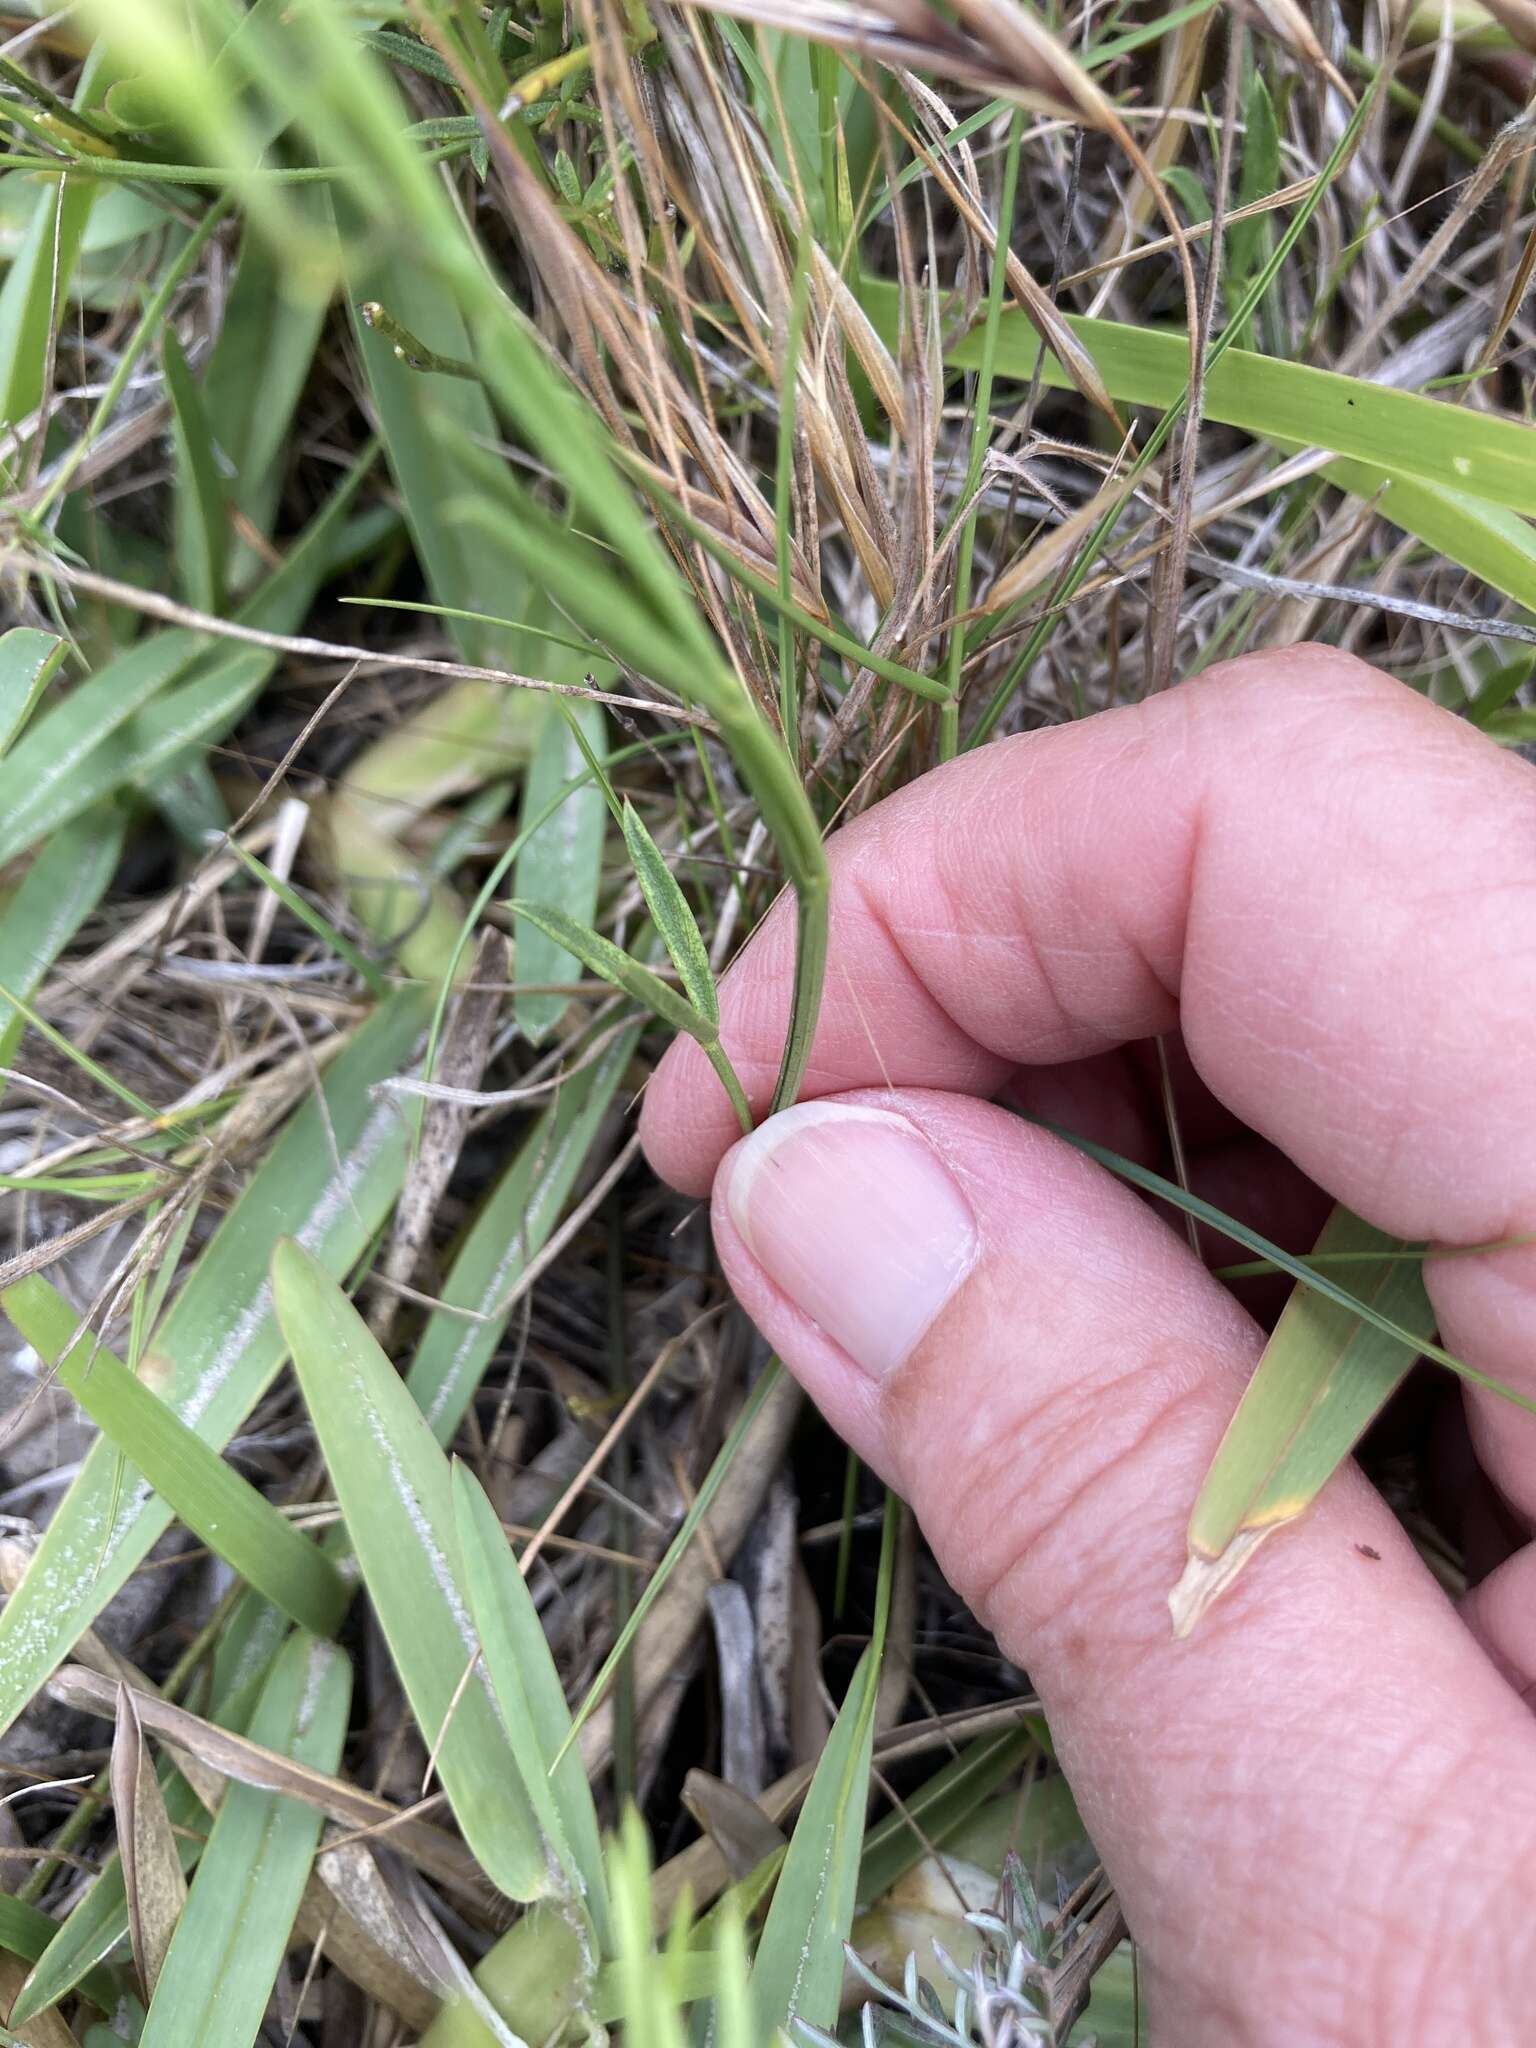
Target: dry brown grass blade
pixel 153 1882
pixel 1288 21
pixel 49 2029
pixel 438 1853
pixel 348 1904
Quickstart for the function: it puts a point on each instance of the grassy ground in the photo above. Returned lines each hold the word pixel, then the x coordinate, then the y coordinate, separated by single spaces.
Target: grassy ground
pixel 458 458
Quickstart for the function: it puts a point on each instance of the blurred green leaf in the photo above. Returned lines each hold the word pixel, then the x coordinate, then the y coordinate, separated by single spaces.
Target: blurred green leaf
pixel 562 861
pixel 330 1180
pixel 201 522
pixel 60 889
pixel 28 661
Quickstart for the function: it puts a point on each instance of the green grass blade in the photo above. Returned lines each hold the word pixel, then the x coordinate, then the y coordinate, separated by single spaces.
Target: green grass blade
pixel 146 706
pixel 561 862
pixel 527 1686
pixel 511 1229
pixel 59 891
pixel 32 297
pixel 603 957
pixel 797 1973
pixel 26 1931
pixel 220 1344
pixel 673 919
pixel 687 1529
pixel 1325 1375
pixel 201 522
pixel 392 1482
pixel 210 1497
pixel 1315 1277
pixel 230 1941
pixel 99 1923
pixel 29 659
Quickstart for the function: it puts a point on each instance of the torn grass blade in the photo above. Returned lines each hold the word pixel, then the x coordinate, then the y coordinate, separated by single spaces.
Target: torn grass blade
pixel 1324 1376
pixel 392 1483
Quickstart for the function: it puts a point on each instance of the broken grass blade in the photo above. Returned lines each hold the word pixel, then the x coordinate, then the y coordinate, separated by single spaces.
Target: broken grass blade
pixel 392 1483
pixel 1324 1377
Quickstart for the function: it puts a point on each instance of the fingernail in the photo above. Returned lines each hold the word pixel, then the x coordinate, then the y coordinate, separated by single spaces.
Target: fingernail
pixel 858 1220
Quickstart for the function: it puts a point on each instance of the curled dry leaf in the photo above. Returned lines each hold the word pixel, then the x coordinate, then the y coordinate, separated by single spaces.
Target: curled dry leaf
pixel 152 1873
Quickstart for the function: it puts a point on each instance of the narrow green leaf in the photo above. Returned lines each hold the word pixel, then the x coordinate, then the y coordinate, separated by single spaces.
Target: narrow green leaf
pixel 201 521
pixel 1325 1375
pixel 237 1522
pixel 673 918
pixel 59 891
pixel 527 1686
pixel 330 1180
pixel 28 661
pixel 230 1941
pixel 392 1482
pixel 27 1932
pixel 32 297
pixel 131 719
pixel 252 1637
pixel 562 861
pixel 603 957
pixel 797 1973
pixel 687 1529
pixel 511 1229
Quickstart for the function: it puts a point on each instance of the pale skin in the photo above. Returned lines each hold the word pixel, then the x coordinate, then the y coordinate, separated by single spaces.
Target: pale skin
pixel 1320 1810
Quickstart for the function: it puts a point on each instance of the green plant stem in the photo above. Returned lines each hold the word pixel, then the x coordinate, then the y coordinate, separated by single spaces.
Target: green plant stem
pixel 981 423
pixel 730 1080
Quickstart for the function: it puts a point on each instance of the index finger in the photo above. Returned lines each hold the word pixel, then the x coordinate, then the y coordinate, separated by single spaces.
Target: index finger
pixel 1326 881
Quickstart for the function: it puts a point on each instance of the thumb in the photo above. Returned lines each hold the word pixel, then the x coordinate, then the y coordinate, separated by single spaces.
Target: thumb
pixel 1043 1369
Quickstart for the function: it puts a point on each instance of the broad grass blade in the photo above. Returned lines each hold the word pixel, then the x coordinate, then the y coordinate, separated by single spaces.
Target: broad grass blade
pixel 228 1946
pixel 60 889
pixel 152 1875
pixel 1324 1376
pixel 237 1522
pixel 220 1344
pixel 510 1231
pixel 26 1931
pixel 527 1686
pixel 28 661
pixel 562 862
pixel 393 1485
pixel 673 919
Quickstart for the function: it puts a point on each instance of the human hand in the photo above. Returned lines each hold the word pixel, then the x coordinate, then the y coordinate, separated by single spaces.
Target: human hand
pixel 1319 1810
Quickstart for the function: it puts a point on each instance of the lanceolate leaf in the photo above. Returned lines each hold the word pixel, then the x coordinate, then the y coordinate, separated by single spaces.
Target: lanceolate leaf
pixel 673 919
pixel 1324 1376
pixel 562 861
pixel 393 1485
pixel 603 957
pixel 28 659
pixel 527 1686
pixel 237 1522
pixel 229 1943
pixel 220 1343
